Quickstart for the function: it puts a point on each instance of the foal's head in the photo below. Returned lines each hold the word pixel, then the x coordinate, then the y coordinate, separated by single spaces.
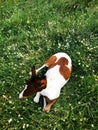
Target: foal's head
pixel 33 85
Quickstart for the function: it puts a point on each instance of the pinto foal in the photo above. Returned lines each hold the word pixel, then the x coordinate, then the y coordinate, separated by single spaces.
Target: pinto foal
pixel 49 86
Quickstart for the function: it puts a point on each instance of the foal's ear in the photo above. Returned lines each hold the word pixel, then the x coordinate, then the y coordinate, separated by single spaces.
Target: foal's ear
pixel 33 70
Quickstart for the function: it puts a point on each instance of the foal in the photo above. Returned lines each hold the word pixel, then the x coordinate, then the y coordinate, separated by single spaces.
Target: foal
pixel 49 86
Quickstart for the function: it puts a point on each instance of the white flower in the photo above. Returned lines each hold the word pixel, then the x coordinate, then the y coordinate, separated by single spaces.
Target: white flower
pixel 10 102
pixel 27 125
pixel 19 115
pixel 92 125
pixel 10 120
pixel 24 125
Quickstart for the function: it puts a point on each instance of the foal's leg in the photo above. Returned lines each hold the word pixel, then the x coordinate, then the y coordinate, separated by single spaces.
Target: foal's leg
pixel 37 97
pixel 45 103
pixel 49 105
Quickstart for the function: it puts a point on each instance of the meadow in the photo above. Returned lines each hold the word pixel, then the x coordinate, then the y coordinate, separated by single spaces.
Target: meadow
pixel 30 32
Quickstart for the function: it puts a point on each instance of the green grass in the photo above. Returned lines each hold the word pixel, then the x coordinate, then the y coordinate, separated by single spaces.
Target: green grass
pixel 30 32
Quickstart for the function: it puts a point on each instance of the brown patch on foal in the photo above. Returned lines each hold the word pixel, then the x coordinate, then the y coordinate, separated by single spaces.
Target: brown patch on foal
pixel 51 62
pixel 62 61
pixel 65 71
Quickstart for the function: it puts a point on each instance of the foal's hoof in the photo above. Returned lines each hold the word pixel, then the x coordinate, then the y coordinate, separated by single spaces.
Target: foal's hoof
pixel 35 100
pixel 46 109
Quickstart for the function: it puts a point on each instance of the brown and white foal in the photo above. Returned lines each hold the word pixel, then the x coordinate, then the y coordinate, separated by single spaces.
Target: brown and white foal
pixel 49 86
